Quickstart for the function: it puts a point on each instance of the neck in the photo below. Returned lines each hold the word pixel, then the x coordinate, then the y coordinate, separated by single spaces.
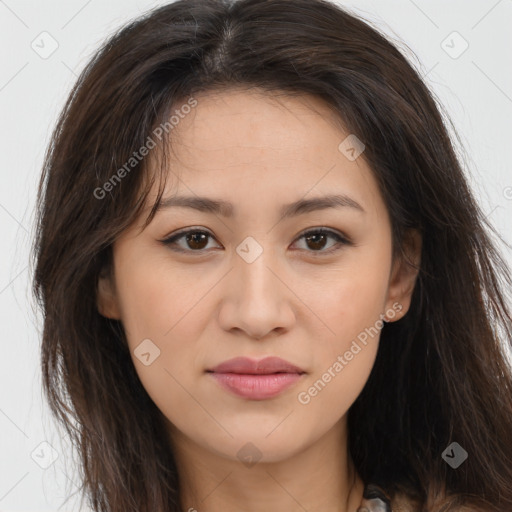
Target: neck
pixel 318 478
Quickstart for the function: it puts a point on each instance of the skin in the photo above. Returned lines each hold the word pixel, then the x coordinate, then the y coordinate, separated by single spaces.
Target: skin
pixel 294 301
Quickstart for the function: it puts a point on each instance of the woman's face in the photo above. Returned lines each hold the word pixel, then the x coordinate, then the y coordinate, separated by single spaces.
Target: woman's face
pixel 248 283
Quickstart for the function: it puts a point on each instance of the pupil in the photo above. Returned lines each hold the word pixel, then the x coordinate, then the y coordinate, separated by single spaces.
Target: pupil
pixel 316 236
pixel 193 236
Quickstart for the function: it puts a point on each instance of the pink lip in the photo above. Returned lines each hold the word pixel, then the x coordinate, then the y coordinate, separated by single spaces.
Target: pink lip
pixel 256 380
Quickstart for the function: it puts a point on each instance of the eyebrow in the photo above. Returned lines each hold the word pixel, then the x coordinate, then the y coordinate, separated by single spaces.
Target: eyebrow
pixel 226 209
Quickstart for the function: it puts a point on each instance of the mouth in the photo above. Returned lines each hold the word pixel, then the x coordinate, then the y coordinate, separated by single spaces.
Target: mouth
pixel 256 380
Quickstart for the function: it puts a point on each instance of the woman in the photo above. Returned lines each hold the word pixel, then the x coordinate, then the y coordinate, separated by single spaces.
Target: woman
pixel 205 345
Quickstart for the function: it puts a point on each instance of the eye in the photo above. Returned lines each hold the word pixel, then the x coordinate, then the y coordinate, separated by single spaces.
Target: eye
pixel 316 238
pixel 196 240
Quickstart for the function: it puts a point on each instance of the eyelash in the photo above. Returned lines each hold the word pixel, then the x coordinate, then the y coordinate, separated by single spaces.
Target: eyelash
pixel 342 240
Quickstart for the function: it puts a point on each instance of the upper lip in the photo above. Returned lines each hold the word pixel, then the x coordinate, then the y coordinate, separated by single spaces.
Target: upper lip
pixel 263 366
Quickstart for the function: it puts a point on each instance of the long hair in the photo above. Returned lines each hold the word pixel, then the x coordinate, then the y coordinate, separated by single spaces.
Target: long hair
pixel 441 374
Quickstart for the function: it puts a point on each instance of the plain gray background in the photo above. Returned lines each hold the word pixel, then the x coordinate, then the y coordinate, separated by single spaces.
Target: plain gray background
pixel 474 85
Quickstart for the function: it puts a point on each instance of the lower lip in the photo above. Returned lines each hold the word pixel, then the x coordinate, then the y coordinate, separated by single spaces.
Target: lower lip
pixel 256 387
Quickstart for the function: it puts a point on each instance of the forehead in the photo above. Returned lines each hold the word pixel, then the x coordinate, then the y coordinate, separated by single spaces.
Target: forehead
pixel 251 145
pixel 234 122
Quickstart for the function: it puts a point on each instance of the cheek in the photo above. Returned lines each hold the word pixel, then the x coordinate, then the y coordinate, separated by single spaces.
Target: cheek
pixel 345 354
pixel 350 305
pixel 155 298
pixel 160 308
pixel 350 300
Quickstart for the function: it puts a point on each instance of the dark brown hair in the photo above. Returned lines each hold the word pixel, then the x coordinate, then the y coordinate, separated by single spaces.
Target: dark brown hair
pixel 441 373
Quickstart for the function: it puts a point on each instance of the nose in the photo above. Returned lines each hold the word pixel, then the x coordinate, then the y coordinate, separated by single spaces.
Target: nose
pixel 257 299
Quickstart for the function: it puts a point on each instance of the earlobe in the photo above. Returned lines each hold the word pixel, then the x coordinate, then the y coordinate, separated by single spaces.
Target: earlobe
pixel 106 297
pixel 404 275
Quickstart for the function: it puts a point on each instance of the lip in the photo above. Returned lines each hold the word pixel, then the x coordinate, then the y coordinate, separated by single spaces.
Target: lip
pixel 256 380
pixel 249 366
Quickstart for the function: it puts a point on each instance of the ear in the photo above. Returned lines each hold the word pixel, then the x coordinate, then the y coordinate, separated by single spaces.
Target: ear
pixel 403 275
pixel 106 296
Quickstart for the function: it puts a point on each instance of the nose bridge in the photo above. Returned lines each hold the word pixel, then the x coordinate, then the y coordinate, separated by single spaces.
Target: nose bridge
pixel 253 262
pixel 257 303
